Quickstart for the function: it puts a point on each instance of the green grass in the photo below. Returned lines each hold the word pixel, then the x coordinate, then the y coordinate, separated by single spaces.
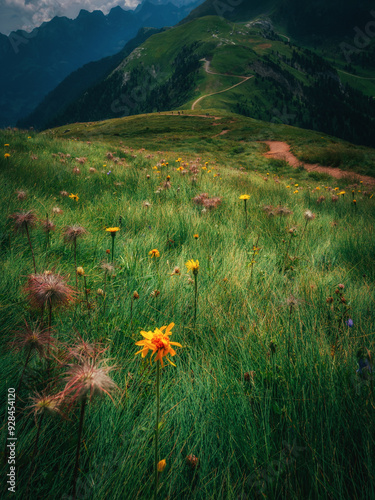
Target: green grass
pixel 182 132
pixel 304 428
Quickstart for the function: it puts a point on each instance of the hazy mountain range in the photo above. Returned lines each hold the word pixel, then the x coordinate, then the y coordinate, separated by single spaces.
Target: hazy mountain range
pixel 35 63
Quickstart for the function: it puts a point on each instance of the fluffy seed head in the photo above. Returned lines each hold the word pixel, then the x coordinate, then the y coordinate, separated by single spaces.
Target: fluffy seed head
pixel 107 267
pixel 89 378
pixel 47 225
pixel 71 233
pixel 192 461
pixel 21 195
pixel 43 403
pixel 48 288
pixel 32 338
pixel 23 220
pixel 309 215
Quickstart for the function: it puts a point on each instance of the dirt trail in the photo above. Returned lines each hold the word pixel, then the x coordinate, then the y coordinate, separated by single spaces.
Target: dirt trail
pixel 281 151
pixel 207 69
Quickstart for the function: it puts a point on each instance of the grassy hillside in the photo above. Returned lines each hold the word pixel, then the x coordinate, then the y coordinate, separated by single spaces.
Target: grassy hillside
pixel 272 392
pixel 192 128
pixel 290 84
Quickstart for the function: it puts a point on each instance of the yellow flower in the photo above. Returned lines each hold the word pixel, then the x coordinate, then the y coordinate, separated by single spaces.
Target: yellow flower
pixel 162 463
pixel 296 185
pixel 196 236
pixel 288 187
pixel 6 155
pixel 112 230
pixel 245 197
pixel 6 145
pixel 342 192
pixel 154 253
pixel 180 168
pixel 193 266
pixel 296 191
pixel 74 196
pixel 158 342
pixel 80 271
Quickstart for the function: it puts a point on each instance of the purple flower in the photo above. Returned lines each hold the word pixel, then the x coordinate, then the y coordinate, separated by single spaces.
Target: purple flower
pixel 109 172
pixel 364 366
pixel 350 323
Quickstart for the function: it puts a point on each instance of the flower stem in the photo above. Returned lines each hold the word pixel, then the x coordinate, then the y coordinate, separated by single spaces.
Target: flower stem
pixel 47 242
pixel 113 245
pixel 131 312
pixel 245 214
pixel 31 246
pixel 49 336
pixel 75 262
pixel 302 235
pixel 37 437
pixel 157 428
pixel 104 292
pixel 81 418
pixel 195 298
pixel 24 368
pixel 34 452
pixel 86 294
pixel 286 254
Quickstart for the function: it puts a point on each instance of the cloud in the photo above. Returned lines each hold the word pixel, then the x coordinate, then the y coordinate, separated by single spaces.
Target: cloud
pixel 29 14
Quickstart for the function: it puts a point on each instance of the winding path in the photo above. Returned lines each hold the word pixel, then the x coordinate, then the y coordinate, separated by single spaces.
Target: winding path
pixel 355 76
pixel 281 151
pixel 207 69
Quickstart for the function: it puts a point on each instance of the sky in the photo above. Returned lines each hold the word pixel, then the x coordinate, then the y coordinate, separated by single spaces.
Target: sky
pixel 29 14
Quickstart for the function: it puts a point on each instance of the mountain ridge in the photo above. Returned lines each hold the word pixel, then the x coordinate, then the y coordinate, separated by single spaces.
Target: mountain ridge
pixel 292 84
pixel 41 59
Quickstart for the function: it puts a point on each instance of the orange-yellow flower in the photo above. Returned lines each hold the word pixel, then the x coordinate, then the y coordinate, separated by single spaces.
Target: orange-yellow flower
pixel 112 229
pixel 193 266
pixel 154 253
pixel 162 463
pixel 245 197
pixel 74 196
pixel 7 155
pixel 158 342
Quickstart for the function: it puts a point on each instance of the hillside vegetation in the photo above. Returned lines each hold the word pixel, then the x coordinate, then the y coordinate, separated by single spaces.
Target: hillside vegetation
pixel 271 395
pixel 290 84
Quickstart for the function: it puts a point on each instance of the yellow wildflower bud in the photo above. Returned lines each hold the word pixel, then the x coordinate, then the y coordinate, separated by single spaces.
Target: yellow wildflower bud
pixel 161 465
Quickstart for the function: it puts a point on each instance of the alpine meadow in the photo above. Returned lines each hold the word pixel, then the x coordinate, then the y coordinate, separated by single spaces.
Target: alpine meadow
pixel 187 261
